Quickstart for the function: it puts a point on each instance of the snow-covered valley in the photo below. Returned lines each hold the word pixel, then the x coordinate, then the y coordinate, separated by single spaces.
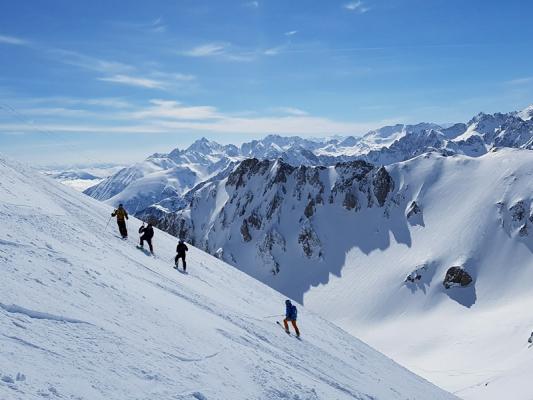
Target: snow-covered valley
pixel 86 315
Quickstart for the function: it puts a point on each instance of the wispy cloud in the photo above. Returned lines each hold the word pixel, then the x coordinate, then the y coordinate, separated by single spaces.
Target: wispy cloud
pixel 252 4
pixel 169 116
pixel 274 51
pixel 356 6
pixel 221 50
pixel 520 81
pixel 157 25
pixel 134 81
pixel 206 50
pixel 89 62
pixel 169 109
pixel 291 33
pixel 291 111
pixel 13 40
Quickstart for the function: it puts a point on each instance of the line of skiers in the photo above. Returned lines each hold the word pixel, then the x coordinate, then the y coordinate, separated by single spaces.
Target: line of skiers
pixel 147 233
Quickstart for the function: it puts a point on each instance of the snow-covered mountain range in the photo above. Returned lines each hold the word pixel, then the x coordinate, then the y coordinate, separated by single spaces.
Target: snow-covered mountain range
pixel 86 315
pixel 167 177
pixel 373 248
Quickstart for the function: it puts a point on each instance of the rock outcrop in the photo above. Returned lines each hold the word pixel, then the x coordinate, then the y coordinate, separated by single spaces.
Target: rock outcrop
pixel 457 276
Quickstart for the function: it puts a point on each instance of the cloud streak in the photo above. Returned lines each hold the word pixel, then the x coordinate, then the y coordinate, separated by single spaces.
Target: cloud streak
pixel 134 81
pixel 169 116
pixel 219 50
pixel 356 6
pixel 206 50
pixel 13 40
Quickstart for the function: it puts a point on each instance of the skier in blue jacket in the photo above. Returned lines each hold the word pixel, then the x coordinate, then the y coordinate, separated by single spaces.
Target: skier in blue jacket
pixel 291 313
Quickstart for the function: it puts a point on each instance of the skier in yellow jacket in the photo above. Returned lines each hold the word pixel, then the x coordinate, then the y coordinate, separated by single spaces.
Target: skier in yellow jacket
pixel 122 216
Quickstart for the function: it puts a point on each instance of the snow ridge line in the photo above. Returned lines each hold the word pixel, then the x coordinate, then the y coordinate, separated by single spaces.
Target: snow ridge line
pixel 15 309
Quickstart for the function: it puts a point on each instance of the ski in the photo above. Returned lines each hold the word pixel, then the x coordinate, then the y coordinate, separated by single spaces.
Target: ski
pixel 145 251
pixel 288 333
pixel 180 270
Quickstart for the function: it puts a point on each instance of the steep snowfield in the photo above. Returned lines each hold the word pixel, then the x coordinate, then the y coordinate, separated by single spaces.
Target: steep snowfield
pixel 471 341
pixel 85 315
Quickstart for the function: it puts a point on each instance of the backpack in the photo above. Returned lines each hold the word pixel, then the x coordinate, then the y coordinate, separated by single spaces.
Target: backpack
pixel 294 312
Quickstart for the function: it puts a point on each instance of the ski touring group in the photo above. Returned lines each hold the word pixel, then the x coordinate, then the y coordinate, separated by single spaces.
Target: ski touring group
pixel 146 232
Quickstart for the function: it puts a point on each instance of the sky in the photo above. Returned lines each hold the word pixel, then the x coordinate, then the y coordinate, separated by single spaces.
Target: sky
pixel 114 81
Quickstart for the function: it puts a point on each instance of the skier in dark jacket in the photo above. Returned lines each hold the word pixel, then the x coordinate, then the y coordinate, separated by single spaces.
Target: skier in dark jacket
pixel 122 216
pixel 147 234
pixel 291 313
pixel 181 249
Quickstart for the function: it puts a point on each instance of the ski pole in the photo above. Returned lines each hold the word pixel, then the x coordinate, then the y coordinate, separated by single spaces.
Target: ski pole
pixel 272 316
pixel 108 221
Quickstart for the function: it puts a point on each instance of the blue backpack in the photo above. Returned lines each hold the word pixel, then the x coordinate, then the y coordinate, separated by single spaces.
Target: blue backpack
pixel 293 312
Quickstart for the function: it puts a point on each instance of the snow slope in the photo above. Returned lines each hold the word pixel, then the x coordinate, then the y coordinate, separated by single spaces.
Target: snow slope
pixel 476 213
pixel 85 315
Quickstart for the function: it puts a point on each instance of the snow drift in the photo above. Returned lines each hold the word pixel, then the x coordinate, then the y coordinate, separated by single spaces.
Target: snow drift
pixel 86 315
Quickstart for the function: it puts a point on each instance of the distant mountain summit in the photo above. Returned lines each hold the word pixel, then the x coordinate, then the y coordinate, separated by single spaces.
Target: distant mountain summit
pixel 163 177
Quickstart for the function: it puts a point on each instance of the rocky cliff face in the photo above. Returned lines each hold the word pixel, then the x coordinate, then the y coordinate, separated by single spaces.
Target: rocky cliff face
pixel 266 209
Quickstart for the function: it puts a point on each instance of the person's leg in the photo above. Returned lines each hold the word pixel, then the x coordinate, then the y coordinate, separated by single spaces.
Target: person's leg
pixel 184 263
pixel 295 328
pixel 122 228
pixel 286 325
pixel 141 241
pixel 176 261
pixel 150 245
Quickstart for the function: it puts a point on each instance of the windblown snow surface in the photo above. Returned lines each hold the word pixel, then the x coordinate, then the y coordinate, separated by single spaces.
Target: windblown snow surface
pixel 85 315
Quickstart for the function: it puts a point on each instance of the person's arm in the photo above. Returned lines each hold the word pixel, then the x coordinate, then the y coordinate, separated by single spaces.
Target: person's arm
pixel 186 248
pixel 114 213
pixel 126 214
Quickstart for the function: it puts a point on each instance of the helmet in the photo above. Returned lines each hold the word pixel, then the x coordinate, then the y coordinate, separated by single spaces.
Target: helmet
pixel 287 302
pixel 120 205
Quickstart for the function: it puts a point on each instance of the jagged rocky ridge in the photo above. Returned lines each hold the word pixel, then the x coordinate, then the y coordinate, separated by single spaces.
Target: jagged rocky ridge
pixel 265 211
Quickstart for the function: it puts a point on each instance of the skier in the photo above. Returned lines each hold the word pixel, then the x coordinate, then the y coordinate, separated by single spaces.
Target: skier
pixel 291 314
pixel 122 216
pixel 181 249
pixel 147 234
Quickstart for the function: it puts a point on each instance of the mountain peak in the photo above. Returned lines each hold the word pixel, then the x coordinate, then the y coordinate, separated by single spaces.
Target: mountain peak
pixel 527 113
pixel 203 145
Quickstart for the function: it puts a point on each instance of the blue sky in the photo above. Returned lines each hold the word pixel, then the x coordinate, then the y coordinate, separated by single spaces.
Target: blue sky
pixel 114 81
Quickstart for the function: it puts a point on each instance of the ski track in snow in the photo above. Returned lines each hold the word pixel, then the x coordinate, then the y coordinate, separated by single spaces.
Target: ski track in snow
pixel 85 315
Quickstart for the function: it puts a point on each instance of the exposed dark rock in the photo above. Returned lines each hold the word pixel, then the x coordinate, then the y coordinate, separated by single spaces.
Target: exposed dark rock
pixel 457 276
pixel 273 206
pixel 413 210
pixel 236 178
pixel 350 201
pixel 282 171
pixel 523 230
pixel 310 243
pixel 245 231
pixel 518 211
pixel 310 209
pixel 383 185
pixel 254 220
